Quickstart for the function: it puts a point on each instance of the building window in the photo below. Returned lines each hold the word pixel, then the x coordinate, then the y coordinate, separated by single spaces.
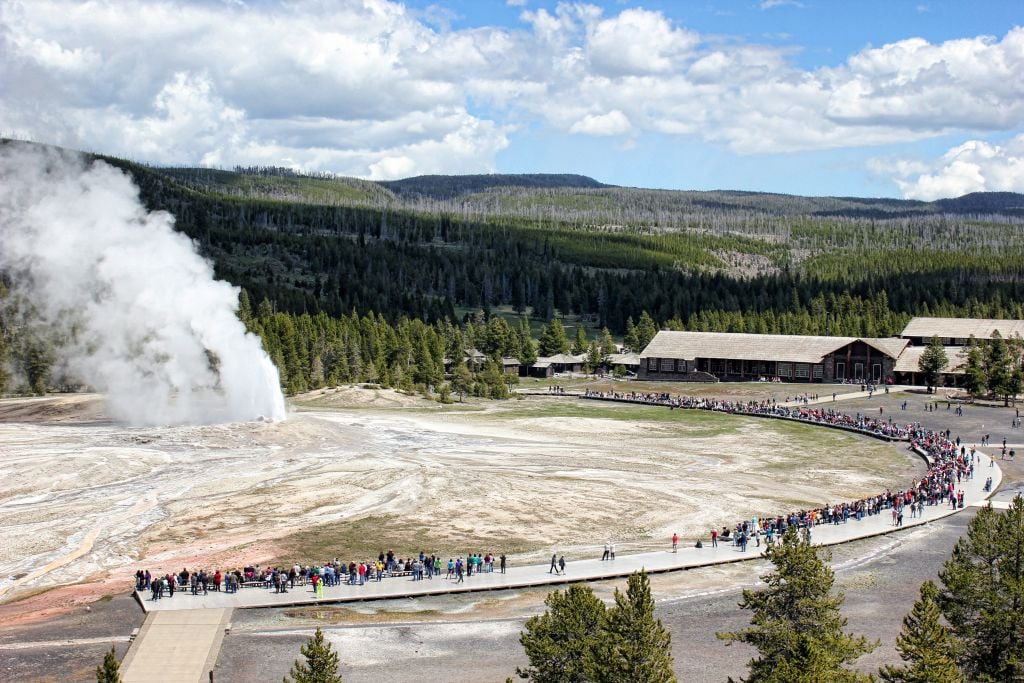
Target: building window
pixel 858 371
pixel 803 370
pixel 785 369
pixel 840 370
pixel 652 364
pixel 876 372
pixel 668 365
pixel 818 371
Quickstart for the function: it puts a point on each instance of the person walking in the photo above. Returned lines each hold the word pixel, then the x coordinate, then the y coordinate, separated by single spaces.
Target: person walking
pixel 675 542
pixel 561 564
pixel 607 551
pixel 554 564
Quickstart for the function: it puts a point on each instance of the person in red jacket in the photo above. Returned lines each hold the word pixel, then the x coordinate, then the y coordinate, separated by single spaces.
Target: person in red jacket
pixel 675 542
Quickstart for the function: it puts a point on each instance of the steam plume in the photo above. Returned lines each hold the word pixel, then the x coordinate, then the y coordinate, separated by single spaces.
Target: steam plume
pixel 140 315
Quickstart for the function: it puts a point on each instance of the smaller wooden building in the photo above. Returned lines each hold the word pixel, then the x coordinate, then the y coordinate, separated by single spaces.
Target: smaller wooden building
pixel 957 331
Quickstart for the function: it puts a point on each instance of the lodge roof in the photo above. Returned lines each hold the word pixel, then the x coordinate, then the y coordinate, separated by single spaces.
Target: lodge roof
pixel 756 347
pixel 962 328
pixel 910 359
pixel 563 358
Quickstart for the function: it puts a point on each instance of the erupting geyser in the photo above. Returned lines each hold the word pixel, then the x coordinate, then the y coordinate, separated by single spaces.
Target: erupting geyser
pixel 136 311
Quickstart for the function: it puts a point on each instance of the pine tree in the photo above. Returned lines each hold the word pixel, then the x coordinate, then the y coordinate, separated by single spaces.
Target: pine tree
pixel 245 309
pixel 321 665
pixel 4 377
pixel 561 643
pixel 974 372
pixel 594 357
pixel 631 340
pixel 527 347
pixel 983 595
pixel 635 647
pixel 608 344
pixel 796 624
pixel 925 644
pixel 37 358
pixel 553 340
pixel 527 351
pixel 1015 348
pixel 645 331
pixel 997 367
pixel 580 344
pixel 462 379
pixel 933 360
pixel 110 670
pixel 494 379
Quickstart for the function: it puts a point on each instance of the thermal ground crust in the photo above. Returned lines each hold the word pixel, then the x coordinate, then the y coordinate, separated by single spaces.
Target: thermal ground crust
pixel 86 501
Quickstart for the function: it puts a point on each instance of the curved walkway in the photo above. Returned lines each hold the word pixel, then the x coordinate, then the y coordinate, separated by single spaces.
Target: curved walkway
pixel 577 570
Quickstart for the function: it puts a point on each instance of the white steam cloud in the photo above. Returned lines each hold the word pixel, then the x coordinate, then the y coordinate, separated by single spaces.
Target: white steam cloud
pixel 140 316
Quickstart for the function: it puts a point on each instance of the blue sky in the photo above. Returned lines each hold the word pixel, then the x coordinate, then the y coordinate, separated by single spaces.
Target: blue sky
pixel 915 99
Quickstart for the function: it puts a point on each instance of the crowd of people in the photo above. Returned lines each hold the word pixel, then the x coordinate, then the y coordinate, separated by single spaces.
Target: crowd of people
pixel 317 576
pixel 949 464
pixel 767 408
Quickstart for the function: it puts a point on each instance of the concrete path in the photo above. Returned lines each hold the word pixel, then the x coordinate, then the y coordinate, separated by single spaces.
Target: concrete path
pixel 576 570
pixel 827 398
pixel 176 646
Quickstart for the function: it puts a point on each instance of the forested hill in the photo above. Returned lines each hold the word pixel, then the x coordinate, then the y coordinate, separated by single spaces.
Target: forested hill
pixel 449 186
pixel 735 261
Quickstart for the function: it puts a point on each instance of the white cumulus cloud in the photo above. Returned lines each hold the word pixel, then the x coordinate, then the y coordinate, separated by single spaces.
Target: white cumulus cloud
pixel 374 89
pixel 612 123
pixel 974 166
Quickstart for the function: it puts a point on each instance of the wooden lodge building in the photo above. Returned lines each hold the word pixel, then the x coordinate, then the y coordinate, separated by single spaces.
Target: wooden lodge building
pixel 737 357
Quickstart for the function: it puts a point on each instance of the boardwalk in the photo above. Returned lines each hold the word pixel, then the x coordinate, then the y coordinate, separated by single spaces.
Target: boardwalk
pixel 588 569
pixel 176 646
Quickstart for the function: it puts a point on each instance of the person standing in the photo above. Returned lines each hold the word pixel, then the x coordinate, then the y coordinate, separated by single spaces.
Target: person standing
pixel 714 538
pixel 503 562
pixel 675 542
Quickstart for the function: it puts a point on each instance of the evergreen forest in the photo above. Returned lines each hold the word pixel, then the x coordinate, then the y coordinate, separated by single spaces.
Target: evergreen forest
pixel 353 280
